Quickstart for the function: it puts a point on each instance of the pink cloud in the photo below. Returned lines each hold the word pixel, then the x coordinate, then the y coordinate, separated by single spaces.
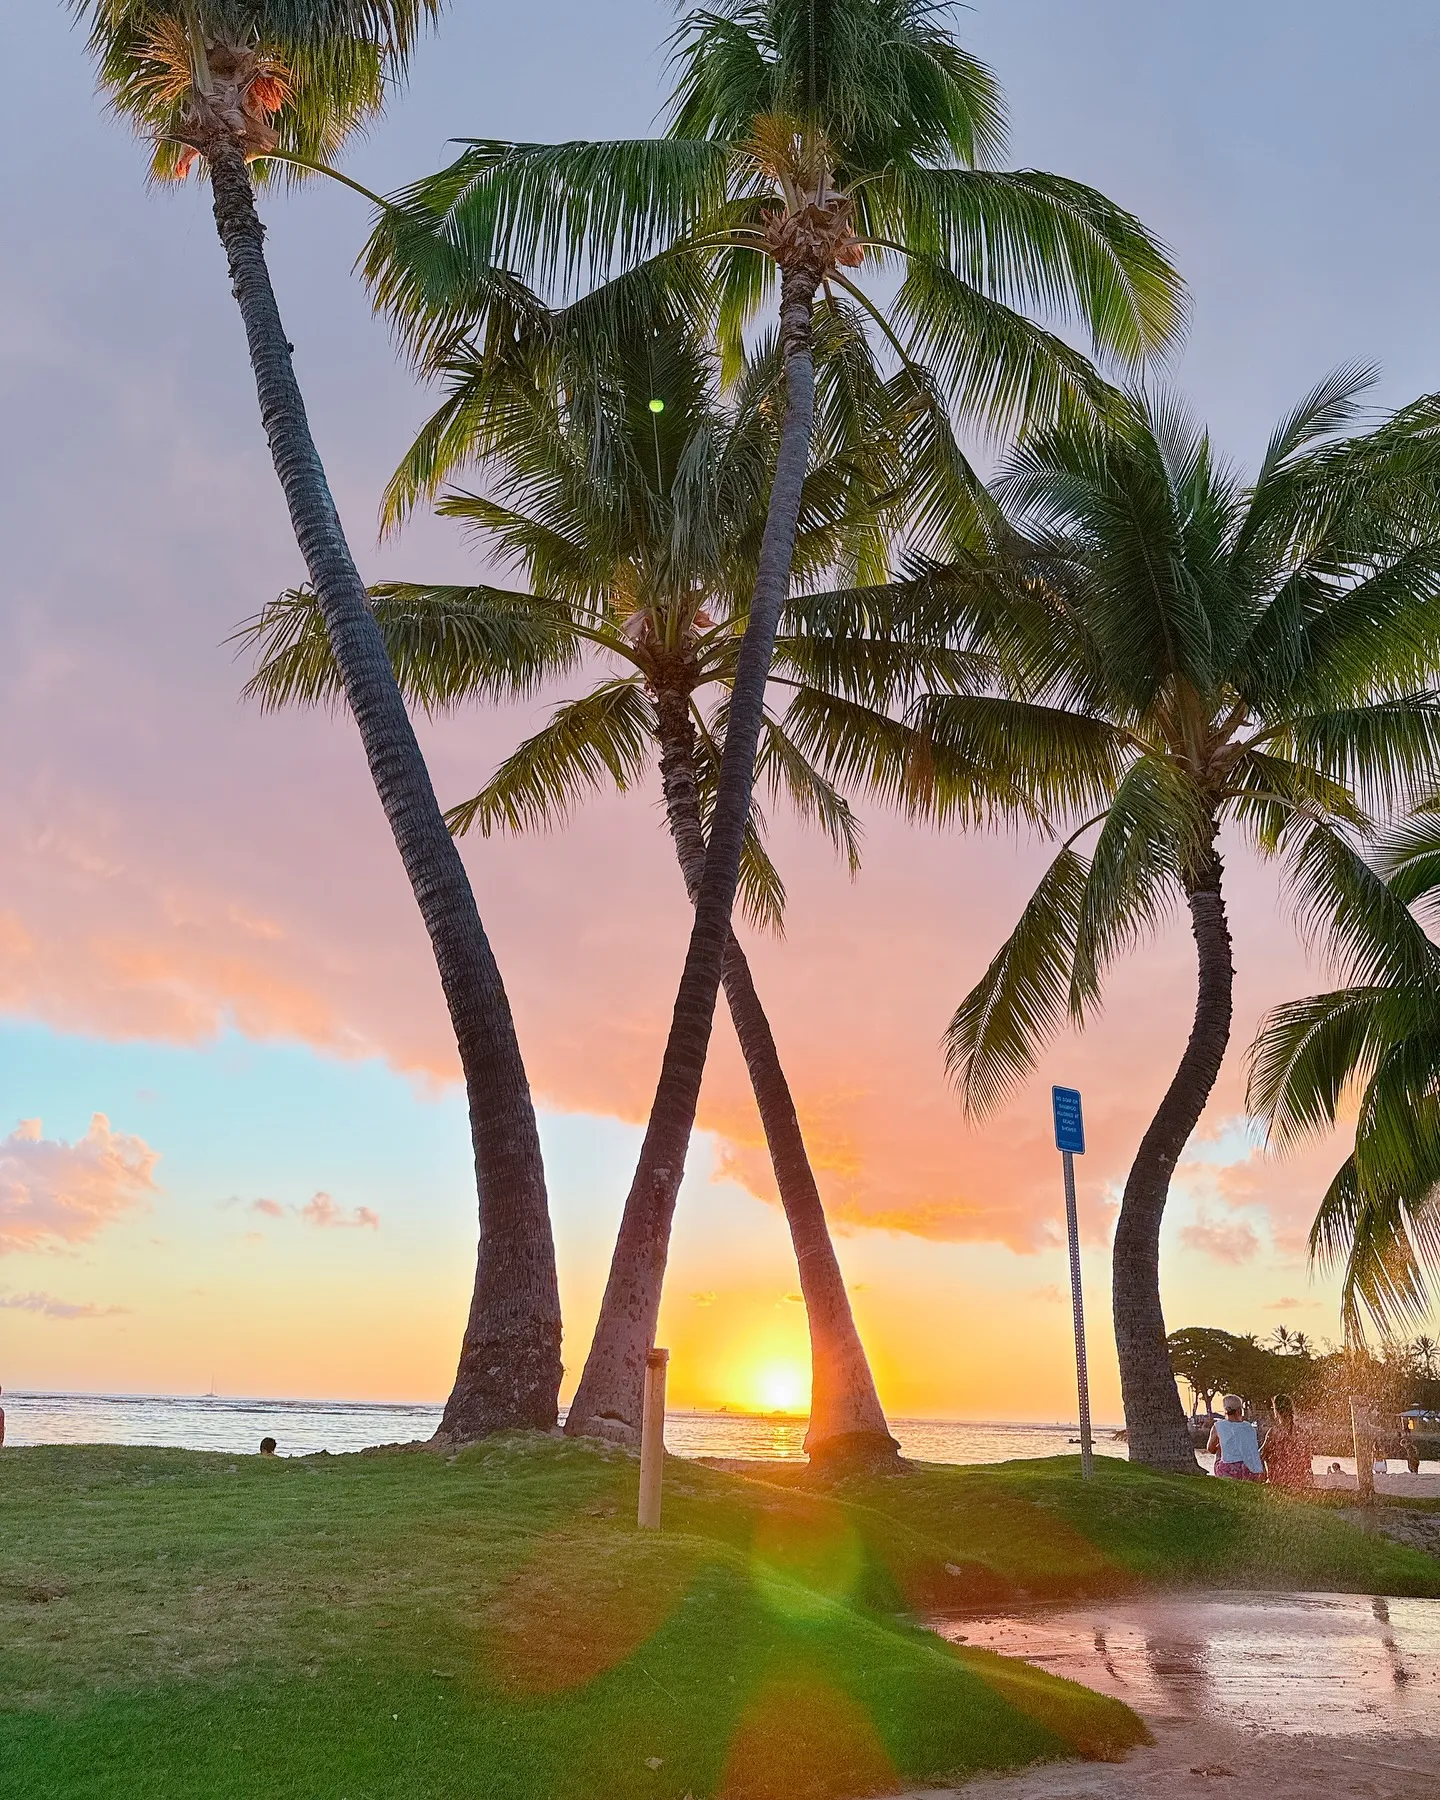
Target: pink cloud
pixel 254 885
pixel 51 1308
pixel 1227 1241
pixel 321 1211
pixel 1289 1303
pixel 54 1193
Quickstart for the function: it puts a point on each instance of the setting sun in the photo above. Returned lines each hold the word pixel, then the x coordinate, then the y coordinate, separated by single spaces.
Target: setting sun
pixel 782 1387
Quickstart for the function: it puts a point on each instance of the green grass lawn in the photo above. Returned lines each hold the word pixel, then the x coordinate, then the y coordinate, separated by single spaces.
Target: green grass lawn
pixel 347 1628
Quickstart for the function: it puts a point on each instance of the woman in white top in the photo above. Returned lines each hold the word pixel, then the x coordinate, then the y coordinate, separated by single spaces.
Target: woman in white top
pixel 1236 1444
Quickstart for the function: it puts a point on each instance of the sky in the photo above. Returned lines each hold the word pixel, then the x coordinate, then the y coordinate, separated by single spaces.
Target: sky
pixel 232 1148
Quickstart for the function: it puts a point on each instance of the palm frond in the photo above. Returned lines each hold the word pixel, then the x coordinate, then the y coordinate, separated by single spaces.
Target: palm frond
pixel 1308 1054
pixel 1020 1002
pixel 1001 369
pixel 883 78
pixel 1032 239
pixel 1387 753
pixel 568 213
pixel 1345 908
pixel 1330 405
pixel 1155 828
pixel 447 645
pixel 1047 762
pixel 606 738
pixel 1408 857
pixel 784 768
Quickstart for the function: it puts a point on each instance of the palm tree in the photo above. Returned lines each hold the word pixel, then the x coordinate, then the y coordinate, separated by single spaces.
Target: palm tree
pixel 1379 1038
pixel 231 83
pixel 809 143
pixel 633 497
pixel 1175 650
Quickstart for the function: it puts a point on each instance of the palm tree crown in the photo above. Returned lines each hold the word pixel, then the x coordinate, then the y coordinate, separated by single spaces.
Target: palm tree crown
pixel 286 77
pixel 864 111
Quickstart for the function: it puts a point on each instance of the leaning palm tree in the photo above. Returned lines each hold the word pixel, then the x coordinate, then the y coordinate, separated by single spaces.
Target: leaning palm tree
pixel 813 148
pixel 633 497
pixel 1376 1041
pixel 1174 650
pixel 239 84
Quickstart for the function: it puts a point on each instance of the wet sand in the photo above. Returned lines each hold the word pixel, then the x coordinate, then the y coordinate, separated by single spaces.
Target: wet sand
pixel 1304 1694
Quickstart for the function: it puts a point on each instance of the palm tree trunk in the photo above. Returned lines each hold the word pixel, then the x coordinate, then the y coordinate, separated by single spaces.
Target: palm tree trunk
pixel 1154 1417
pixel 608 1399
pixel 509 1371
pixel 847 1425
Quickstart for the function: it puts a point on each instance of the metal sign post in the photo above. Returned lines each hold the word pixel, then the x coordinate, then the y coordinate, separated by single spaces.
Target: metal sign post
pixel 1070 1142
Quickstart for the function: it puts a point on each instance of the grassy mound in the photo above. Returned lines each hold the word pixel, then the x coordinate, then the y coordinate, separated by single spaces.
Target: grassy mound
pixel 1032 1530
pixel 366 1627
pixel 355 1627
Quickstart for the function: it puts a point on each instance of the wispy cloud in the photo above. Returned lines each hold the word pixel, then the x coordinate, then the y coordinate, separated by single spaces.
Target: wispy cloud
pixel 322 1211
pixel 51 1308
pixel 54 1193
pixel 1228 1240
pixel 1289 1303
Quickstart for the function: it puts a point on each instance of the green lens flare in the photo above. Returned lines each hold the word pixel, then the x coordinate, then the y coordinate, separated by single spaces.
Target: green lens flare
pixel 657 406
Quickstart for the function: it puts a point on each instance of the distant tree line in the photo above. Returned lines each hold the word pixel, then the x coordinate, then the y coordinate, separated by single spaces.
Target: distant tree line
pixel 1319 1378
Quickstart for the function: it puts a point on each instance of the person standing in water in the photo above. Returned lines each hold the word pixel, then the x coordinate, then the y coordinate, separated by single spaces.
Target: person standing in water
pixel 1236 1444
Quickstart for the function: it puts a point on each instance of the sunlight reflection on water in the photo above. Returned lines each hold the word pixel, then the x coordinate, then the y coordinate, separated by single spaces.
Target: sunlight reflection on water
pixel 1335 1664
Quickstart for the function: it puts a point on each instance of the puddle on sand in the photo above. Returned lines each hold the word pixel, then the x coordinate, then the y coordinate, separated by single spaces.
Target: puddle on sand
pixel 1325 1663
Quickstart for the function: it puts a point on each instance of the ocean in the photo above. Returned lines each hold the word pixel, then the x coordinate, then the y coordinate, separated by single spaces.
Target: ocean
pixel 301 1427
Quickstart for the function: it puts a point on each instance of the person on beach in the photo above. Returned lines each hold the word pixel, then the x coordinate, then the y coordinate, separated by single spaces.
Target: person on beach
pixel 1287 1449
pixel 267 1446
pixel 1236 1444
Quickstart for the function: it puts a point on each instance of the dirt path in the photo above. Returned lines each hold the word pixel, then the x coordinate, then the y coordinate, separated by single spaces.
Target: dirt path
pixel 1189 1760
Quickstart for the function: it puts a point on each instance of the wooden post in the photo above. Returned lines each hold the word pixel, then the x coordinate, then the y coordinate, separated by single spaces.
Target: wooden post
pixel 1363 1430
pixel 652 1439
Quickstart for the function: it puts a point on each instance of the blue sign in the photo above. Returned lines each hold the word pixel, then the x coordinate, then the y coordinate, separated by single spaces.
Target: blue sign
pixel 1069 1123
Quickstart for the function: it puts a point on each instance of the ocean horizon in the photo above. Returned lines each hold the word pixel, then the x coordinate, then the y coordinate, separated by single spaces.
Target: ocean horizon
pixel 234 1424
